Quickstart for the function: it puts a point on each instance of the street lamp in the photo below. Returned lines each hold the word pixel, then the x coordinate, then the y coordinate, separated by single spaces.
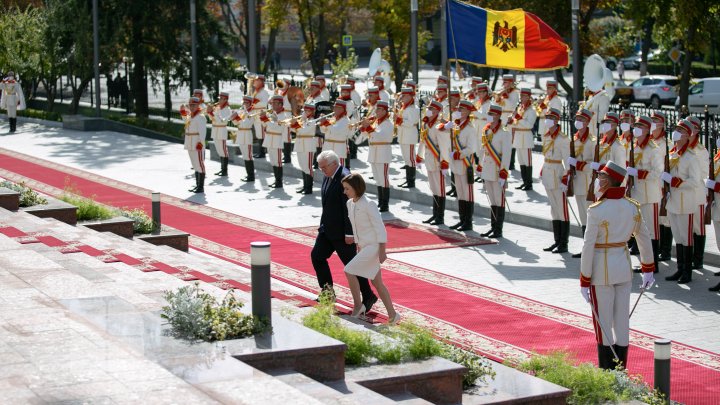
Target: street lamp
pixel 414 39
pixel 577 53
pixel 126 91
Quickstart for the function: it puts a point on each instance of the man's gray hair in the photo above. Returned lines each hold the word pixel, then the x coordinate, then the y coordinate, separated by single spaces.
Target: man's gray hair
pixel 328 156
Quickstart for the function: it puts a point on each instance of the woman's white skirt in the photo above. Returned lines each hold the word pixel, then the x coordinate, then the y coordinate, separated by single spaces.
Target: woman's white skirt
pixel 366 263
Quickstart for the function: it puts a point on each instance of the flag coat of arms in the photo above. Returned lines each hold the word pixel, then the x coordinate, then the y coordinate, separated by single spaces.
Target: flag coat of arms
pixel 513 39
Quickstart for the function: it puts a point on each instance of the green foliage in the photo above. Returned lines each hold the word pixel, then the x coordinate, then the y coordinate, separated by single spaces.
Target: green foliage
pixel 479 368
pixel 196 315
pixel 87 208
pixel 589 384
pixel 28 196
pixel 142 224
pixel 164 127
pixel 697 69
pixel 611 36
pixel 40 114
pixel 344 66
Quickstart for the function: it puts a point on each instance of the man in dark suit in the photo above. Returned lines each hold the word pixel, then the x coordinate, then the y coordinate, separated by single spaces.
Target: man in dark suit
pixel 335 233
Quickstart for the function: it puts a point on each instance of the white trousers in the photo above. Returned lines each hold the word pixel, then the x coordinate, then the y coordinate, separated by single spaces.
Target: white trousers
pixel 682 228
pixel 612 304
pixel 408 154
pixel 275 156
pixel 699 221
pixel 221 147
pixel 197 158
pixel 305 159
pixel 558 205
pixel 380 173
pixel 496 194
pixel 582 203
pixel 650 218
pixel 247 151
pixel 464 189
pixel 524 156
pixel 436 180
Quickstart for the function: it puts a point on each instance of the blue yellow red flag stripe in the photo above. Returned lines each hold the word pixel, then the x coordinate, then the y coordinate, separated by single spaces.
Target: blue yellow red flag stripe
pixel 513 39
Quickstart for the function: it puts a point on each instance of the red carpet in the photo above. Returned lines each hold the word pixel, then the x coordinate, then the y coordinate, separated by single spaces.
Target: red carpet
pixel 491 321
pixel 408 237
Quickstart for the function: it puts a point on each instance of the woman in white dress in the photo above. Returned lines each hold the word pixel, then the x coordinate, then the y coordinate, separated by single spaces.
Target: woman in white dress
pixel 370 236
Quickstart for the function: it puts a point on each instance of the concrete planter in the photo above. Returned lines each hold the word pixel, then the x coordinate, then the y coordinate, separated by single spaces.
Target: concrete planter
pixel 121 226
pixel 169 237
pixel 9 199
pixel 56 209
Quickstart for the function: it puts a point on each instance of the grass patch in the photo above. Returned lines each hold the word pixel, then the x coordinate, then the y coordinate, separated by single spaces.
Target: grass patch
pixel 589 384
pixel 28 196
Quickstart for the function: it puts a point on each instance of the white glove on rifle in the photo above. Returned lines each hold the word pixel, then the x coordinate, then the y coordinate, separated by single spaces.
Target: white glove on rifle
pixel 449 125
pixel 456 115
pixel 632 171
pixel 572 161
pixel 585 291
pixel 710 184
pixel 595 166
pixel 666 177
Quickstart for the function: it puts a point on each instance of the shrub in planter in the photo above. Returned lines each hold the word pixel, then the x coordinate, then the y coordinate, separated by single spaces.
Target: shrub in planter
pixel 87 208
pixel 28 196
pixel 142 223
pixel 196 315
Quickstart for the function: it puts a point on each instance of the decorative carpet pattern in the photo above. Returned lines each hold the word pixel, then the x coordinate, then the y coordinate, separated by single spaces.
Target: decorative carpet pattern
pixel 498 324
pixel 408 237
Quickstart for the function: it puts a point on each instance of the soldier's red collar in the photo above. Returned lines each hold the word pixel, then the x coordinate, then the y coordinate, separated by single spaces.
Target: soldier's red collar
pixel 613 193
pixel 441 99
pixel 681 151
pixel 644 143
pixel 717 156
pixel 582 135
pixel 554 134
pixel 610 140
pixel 694 143
pixel 464 123
pixel 194 113
pixel 431 123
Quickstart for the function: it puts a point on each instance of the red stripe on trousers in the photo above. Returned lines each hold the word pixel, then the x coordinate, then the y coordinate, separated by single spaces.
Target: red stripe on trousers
pixel 200 159
pixel 690 229
pixel 224 145
pixel 656 221
pixel 565 207
pixel 386 176
pixel 249 155
pixel 412 155
pixel 442 184
pixel 702 220
pixel 596 321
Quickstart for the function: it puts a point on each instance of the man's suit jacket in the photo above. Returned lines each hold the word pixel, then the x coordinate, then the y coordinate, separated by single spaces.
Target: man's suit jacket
pixel 334 221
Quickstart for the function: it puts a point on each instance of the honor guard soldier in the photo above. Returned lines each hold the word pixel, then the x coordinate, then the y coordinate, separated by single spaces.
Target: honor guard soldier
pixel 472 94
pixel 11 99
pixel 276 132
pixel 713 184
pixel 324 92
pixel 551 100
pixel 373 96
pixel 659 136
pixel 508 98
pixel 354 95
pixel 244 124
pixel 599 104
pixel 521 124
pixel 379 82
pixel 584 156
pixel 494 152
pixel 441 96
pixel 682 202
pixel 702 158
pixel 195 141
pixel 407 117
pixel 305 145
pixel 337 131
pixel 610 147
pixel 646 181
pixel 605 269
pixel 315 95
pixel 627 119
pixel 281 89
pixel 463 143
pixel 453 102
pixel 409 83
pixel 555 177
pixel 260 103
pixel 443 80
pixel 378 130
pixel 434 152
pixel 219 116
pixel 352 113
pixel 482 106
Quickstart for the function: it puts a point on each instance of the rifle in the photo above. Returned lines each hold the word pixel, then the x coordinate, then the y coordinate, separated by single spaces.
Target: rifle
pixel 591 187
pixel 571 173
pixel 666 187
pixel 630 180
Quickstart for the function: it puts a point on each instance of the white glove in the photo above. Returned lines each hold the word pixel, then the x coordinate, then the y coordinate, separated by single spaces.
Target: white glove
pixel 632 171
pixel 456 115
pixel 428 112
pixel 647 280
pixel 502 182
pixel 666 177
pixel 445 172
pixel 419 166
pixel 572 161
pixel 449 125
pixel 563 187
pixel 710 184
pixel 585 291
pixel 595 166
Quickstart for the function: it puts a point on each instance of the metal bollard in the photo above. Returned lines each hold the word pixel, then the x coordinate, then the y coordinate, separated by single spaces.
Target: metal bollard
pixel 156 211
pixel 260 280
pixel 662 367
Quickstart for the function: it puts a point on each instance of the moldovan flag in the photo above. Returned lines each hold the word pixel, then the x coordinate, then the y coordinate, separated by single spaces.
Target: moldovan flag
pixel 512 39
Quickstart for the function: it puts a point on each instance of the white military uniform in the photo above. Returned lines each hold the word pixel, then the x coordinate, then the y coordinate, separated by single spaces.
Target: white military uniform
pixel 662 142
pixel 407 133
pixel 555 150
pixel 646 186
pixel 553 102
pixel 305 144
pixel 260 103
pixel 336 137
pixel 612 149
pixel 275 135
pixel 702 159
pixel 599 104
pixel 12 98
pixel 434 149
pixel 379 136
pixel 244 137
pixel 509 103
pixel 463 139
pixel 219 132
pixel 605 265
pixel 584 153
pixel 494 152
pixel 682 204
pixel 481 115
pixel 195 129
pixel 522 134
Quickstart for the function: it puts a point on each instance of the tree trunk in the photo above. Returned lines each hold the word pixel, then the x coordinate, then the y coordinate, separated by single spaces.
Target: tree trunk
pixel 647 40
pixel 687 63
pixel 168 99
pixel 139 85
pixel 321 49
pixel 561 80
pixel 394 62
pixel 77 93
pixel 270 51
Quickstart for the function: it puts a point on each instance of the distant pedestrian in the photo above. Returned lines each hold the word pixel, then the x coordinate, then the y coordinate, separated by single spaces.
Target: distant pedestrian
pixel 276 60
pixel 621 70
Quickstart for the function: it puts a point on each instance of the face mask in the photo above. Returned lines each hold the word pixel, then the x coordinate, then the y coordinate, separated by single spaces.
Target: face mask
pixel 625 126
pixel 637 131
pixel 676 135
pixel 579 124
pixel 596 187
pixel 604 127
pixel 653 127
pixel 549 123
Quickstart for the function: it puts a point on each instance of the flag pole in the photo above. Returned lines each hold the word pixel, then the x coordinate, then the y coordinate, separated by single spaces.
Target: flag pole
pixel 444 42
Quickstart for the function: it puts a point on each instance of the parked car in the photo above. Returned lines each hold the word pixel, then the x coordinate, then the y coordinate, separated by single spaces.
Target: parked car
pixel 622 91
pixel 655 90
pixel 631 62
pixel 704 92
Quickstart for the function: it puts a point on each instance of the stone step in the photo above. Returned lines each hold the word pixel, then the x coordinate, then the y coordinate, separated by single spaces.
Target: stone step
pixel 436 380
pixel 335 392
pixel 9 199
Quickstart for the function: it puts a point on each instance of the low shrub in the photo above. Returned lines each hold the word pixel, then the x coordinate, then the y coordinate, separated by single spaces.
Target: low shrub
pixel 196 315
pixel 41 114
pixel 87 208
pixel 589 384
pixel 28 196
pixel 142 223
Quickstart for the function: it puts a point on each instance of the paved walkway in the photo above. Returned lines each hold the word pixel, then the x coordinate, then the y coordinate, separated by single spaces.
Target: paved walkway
pixel 687 313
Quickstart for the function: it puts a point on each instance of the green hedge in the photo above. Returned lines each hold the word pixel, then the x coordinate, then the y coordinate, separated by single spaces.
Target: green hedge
pixel 41 114
pixel 697 70
pixel 173 129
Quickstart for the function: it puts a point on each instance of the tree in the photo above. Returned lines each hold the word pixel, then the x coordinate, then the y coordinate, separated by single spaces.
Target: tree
pixel 21 33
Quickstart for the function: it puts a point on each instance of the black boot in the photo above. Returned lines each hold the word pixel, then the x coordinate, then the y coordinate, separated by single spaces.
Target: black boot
pixel 308 184
pixel 461 214
pixel 386 199
pixel 13 124
pixel 223 166
pixel 287 150
pixel 452 192
pixel 347 163
pixel 197 183
pixel 680 253
pixel 511 166
pixel 632 245
pixel 698 251
pixel 715 289
pixel 201 183
pixel 499 221
pixel 686 276
pixel 522 177
pixel 352 147
pixel 469 211
pixel 250 169
pixel 278 173
pixel 410 173
pixel 562 247
pixel 435 209
pixel 493 220
pixel 579 255
pixel 315 162
pixel 440 217
pixel 528 178
pixel 301 189
pixel 666 239
pixel 556 234
pixel 622 353
pixel 605 357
